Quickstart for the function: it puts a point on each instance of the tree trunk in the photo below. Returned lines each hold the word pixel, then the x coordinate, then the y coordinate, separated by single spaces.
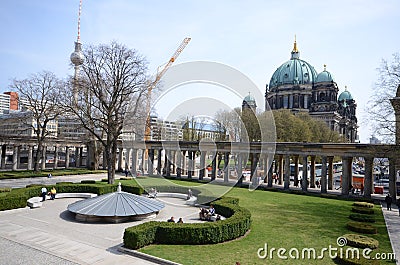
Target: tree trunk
pixel 38 155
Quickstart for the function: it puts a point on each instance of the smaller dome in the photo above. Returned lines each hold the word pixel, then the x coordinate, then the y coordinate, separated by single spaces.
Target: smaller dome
pixel 324 76
pixel 249 99
pixel 345 95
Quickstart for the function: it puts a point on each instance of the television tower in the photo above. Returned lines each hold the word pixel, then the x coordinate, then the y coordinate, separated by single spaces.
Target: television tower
pixel 77 57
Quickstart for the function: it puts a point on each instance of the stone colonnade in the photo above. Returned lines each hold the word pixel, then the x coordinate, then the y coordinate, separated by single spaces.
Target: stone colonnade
pixel 164 159
pixel 21 156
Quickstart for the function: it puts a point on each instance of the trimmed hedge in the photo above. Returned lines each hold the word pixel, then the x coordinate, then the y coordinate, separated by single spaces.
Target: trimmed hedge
pixel 132 189
pixel 17 198
pixel 237 224
pixel 362 217
pixel 88 181
pixel 363 204
pixel 361 228
pixel 360 241
pixel 362 210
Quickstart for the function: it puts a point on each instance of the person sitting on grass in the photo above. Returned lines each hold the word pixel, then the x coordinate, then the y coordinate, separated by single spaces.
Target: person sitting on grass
pixel 180 221
pixel 171 220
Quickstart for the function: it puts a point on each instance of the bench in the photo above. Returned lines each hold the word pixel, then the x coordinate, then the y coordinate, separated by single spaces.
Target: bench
pixel 36 202
pixel 191 201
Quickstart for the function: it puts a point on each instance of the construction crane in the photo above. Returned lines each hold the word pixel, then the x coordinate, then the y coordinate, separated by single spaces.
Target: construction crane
pixel 159 75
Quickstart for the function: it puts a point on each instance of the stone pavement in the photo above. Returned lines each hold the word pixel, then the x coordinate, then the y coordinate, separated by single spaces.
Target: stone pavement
pixel 392 220
pixel 51 233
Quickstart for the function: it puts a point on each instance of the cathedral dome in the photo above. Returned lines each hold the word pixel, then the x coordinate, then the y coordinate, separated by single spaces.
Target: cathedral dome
pixel 293 72
pixel 249 99
pixel 324 76
pixel 345 95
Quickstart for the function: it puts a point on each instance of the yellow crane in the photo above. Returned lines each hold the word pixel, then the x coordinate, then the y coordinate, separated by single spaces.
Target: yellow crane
pixel 160 74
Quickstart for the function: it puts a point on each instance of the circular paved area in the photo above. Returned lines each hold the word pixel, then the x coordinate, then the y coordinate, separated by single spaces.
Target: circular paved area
pixel 50 235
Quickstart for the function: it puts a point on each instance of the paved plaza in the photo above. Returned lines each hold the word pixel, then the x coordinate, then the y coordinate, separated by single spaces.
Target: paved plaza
pixel 50 234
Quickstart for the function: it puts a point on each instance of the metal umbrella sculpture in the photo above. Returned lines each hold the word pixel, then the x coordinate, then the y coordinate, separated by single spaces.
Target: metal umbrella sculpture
pixel 115 207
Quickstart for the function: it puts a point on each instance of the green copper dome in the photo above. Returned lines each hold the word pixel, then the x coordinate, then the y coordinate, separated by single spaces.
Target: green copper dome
pixel 249 99
pixel 345 95
pixel 293 72
pixel 324 76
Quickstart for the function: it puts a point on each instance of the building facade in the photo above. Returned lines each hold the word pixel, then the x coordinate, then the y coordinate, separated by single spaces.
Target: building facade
pixel 297 86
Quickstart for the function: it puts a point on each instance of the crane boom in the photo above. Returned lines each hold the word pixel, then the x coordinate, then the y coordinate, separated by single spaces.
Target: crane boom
pixel 160 74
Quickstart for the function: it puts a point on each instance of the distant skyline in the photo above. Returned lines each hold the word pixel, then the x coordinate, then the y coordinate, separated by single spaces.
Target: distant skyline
pixel 254 37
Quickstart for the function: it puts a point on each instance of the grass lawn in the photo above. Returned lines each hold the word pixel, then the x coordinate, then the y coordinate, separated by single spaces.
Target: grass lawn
pixel 282 221
pixel 44 173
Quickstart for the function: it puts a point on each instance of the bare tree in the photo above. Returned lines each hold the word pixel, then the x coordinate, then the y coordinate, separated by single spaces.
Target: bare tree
pixel 229 122
pixel 112 87
pixel 380 111
pixel 41 99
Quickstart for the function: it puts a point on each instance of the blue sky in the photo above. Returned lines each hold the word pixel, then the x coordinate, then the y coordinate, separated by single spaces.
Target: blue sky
pixel 255 37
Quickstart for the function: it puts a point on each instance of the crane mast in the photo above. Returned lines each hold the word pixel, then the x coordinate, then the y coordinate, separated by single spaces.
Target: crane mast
pixel 159 75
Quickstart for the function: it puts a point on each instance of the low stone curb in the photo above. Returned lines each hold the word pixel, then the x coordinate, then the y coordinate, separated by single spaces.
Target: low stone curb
pixel 148 257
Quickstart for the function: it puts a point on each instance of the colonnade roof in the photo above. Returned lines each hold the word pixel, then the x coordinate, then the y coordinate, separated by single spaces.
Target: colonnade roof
pixel 280 148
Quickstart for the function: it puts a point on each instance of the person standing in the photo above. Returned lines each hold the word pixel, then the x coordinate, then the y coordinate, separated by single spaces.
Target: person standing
pixel 44 193
pixel 388 201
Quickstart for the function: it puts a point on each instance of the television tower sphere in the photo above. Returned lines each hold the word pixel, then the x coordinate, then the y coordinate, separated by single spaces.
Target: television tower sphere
pixel 77 56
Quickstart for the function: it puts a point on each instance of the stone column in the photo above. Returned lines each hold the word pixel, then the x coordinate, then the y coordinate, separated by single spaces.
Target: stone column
pixel 312 172
pixel 173 159
pixel 81 157
pixel 76 156
pixel 134 163
pixel 15 157
pixel 120 156
pixel 296 170
pixel 19 157
pixel 396 106
pixel 190 164
pixel 368 177
pixel 168 162
pixel 392 178
pixel 239 168
pixel 3 156
pixel 304 181
pixel 30 157
pixel 150 161
pixel 269 175
pixel 350 169
pixel 202 165
pixel 214 168
pixel 127 158
pixel 67 157
pixel 183 162
pixel 179 164
pixel 55 157
pixel 44 157
pixel 159 159
pixel 323 175
pixel 330 172
pixel 226 165
pixel 286 177
pixel 280 169
pixel 345 175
